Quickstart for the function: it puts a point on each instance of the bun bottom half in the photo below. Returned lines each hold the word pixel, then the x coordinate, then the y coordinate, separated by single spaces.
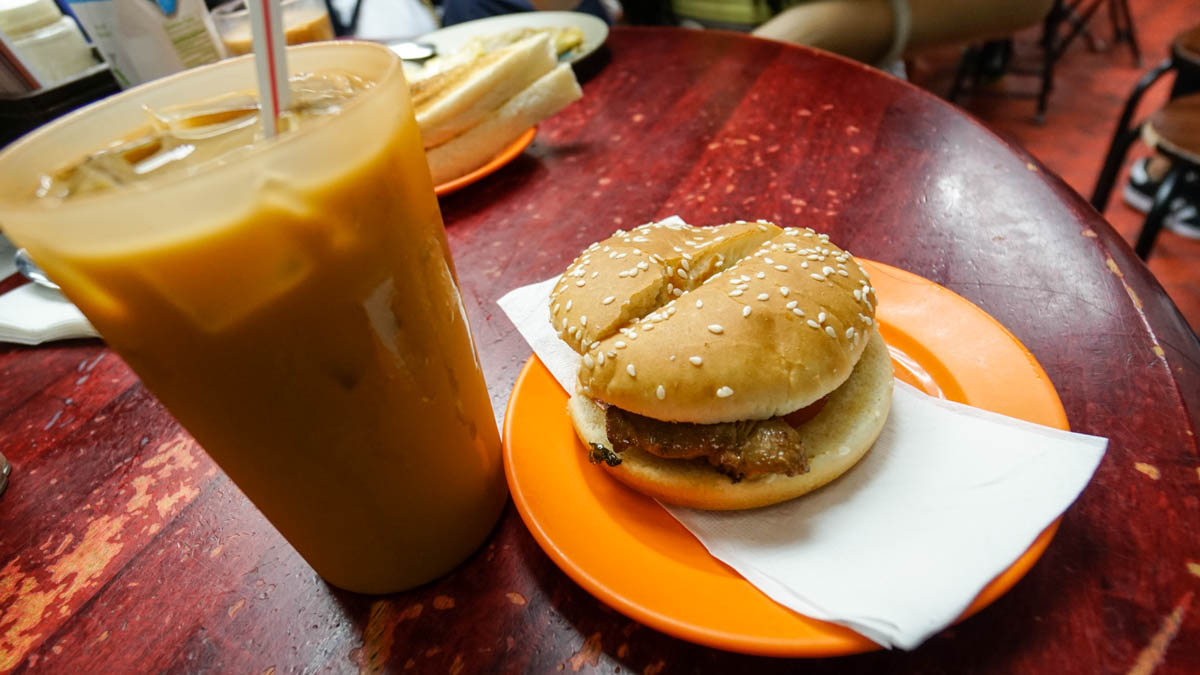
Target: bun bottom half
pixel 835 440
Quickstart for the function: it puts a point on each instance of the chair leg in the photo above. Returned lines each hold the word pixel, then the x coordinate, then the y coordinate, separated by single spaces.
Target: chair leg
pixel 1123 137
pixel 1049 55
pixel 968 68
pixel 1158 212
pixel 1128 31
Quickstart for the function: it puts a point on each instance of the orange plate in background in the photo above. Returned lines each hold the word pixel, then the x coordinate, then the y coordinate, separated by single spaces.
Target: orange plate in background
pixel 506 155
pixel 630 553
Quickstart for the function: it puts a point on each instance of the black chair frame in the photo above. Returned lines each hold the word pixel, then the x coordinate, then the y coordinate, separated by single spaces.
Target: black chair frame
pixel 1187 80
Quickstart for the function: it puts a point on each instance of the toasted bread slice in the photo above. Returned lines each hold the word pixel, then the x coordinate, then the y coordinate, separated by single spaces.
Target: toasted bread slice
pixel 472 149
pixel 451 102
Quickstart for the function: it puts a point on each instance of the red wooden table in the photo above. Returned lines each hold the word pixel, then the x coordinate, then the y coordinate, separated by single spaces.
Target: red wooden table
pixel 123 548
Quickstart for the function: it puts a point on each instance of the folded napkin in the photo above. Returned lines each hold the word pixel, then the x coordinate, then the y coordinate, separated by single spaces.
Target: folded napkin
pixel 33 314
pixel 897 548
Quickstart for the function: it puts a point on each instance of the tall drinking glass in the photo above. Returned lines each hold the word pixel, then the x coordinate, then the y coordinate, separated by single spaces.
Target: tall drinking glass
pixel 295 307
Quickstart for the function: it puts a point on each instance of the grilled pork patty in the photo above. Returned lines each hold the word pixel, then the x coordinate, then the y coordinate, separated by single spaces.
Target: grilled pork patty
pixel 743 449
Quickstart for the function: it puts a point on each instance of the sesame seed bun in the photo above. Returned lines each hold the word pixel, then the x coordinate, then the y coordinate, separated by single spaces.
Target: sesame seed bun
pixel 761 321
pixel 835 440
pixel 744 321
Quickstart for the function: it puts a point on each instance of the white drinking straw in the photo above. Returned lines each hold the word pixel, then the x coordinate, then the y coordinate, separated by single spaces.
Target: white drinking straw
pixel 266 26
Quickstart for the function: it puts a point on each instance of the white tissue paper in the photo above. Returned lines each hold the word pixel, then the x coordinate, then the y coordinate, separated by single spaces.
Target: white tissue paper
pixel 32 314
pixel 897 548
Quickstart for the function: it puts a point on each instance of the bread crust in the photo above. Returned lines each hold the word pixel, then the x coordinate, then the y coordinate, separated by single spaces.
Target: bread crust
pixel 705 325
pixel 835 440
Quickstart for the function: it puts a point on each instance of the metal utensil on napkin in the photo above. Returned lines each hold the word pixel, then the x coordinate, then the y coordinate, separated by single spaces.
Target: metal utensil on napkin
pixel 30 270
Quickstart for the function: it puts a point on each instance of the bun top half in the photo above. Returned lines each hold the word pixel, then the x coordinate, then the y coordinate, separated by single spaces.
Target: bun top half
pixel 714 324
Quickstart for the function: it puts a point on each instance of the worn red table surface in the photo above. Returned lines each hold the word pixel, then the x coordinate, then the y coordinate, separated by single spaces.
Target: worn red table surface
pixel 123 548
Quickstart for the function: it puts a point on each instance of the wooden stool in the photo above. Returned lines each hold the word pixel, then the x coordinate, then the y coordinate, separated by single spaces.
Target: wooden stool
pixel 1168 129
pixel 1174 131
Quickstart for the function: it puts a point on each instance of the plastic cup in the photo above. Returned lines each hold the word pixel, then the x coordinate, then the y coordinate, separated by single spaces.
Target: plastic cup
pixel 303 21
pixel 297 310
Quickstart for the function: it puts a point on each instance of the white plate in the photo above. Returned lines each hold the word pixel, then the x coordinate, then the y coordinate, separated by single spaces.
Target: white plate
pixel 450 39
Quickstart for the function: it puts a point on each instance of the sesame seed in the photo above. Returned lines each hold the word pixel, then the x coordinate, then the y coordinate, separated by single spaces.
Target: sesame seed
pixel 850 332
pixel 661 393
pixel 648 327
pixel 768 261
pixel 715 328
pixel 857 294
pixel 804 265
pixel 608 300
pixel 583 320
pixel 761 275
pixel 569 303
pixel 746 310
pixel 781 268
pixel 829 330
pixel 643 265
pixel 587 360
pixel 564 322
pixel 827 270
pixel 764 296
pixel 818 277
pixel 843 273
pixel 783 290
pixel 814 324
pixel 671 357
pixel 724 392
pixel 699 304
pixel 695 360
pixel 677 292
pixel 594 344
pixel 619 344
pixel 581 283
pixel 630 369
pixel 684 263
pixel 797 311
pixel 555 309
pixel 735 292
pixel 821 317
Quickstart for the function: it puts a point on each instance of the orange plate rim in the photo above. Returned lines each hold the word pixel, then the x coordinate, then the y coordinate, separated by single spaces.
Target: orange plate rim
pixel 506 155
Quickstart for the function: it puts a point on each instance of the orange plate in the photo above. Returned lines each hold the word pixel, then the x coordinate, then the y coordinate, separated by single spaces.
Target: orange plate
pixel 627 551
pixel 506 155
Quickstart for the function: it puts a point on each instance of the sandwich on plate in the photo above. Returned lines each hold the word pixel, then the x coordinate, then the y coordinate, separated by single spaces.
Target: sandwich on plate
pixel 724 367
pixel 470 112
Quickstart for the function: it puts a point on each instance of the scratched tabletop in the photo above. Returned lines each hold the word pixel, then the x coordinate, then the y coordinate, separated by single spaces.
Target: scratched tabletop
pixel 123 548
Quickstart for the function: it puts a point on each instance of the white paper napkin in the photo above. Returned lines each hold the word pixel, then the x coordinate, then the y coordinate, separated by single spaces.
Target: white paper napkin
pixel 898 547
pixel 32 314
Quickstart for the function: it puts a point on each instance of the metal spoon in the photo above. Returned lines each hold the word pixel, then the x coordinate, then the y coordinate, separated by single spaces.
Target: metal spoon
pixel 31 271
pixel 409 50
